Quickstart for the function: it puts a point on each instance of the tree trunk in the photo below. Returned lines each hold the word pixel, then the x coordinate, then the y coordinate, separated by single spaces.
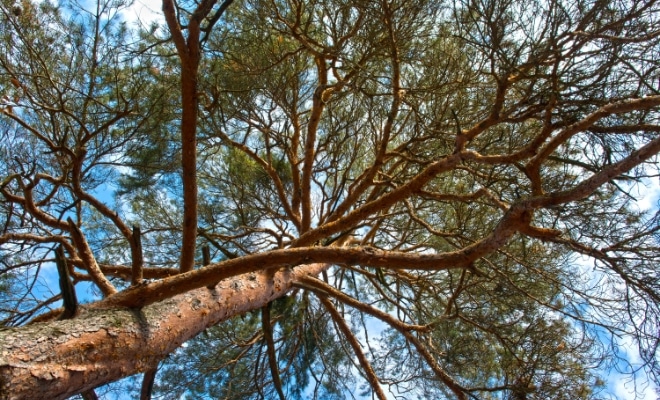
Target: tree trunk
pixel 57 359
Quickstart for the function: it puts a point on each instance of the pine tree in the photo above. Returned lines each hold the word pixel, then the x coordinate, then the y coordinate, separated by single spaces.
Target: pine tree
pixel 329 198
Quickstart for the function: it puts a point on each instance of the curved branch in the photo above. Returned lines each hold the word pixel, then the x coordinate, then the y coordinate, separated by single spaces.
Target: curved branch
pixel 148 383
pixel 591 184
pixel 288 258
pixel 311 283
pixel 355 345
pixel 323 289
pixel 66 287
pixel 584 124
pixel 270 345
pixel 89 261
pixel 385 201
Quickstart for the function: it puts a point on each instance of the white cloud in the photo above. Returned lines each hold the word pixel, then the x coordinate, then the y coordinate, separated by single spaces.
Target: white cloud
pixel 623 385
pixel 144 12
pixel 624 388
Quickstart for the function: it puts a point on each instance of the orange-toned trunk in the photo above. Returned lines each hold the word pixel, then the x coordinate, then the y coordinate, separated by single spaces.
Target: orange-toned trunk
pixel 57 359
pixel 189 164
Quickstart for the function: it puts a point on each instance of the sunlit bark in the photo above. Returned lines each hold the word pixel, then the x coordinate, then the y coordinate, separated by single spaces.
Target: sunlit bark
pixel 432 167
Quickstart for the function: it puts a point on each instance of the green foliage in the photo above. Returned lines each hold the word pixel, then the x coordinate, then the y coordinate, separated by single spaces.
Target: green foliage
pixel 230 360
pixel 405 126
pixel 512 325
pixel 86 114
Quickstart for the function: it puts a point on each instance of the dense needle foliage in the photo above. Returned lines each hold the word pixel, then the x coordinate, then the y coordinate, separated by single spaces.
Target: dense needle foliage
pixel 476 164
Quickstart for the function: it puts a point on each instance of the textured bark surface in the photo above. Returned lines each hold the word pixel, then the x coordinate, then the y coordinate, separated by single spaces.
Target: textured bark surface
pixel 57 359
pixel 60 358
pixel 432 166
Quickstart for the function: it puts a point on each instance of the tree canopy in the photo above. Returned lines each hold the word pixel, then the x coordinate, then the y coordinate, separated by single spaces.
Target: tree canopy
pixel 329 199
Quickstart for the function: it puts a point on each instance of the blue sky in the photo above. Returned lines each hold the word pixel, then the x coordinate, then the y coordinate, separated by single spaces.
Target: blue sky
pixel 620 385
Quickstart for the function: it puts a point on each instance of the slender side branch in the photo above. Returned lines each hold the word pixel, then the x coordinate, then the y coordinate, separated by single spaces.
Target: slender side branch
pixel 359 214
pixel 89 261
pixel 318 104
pixel 206 255
pixel 323 289
pixel 136 255
pixel 28 203
pixel 355 345
pixel 66 286
pixel 272 355
pixel 591 184
pixel 126 273
pixel 450 382
pixel 189 51
pixel 169 12
pixel 585 123
pixel 148 383
pixel 105 210
pixel 89 395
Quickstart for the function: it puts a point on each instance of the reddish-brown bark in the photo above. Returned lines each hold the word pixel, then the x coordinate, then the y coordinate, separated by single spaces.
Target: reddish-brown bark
pixel 54 360
pixel 89 261
pixel 189 53
pixel 343 327
pixel 130 331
